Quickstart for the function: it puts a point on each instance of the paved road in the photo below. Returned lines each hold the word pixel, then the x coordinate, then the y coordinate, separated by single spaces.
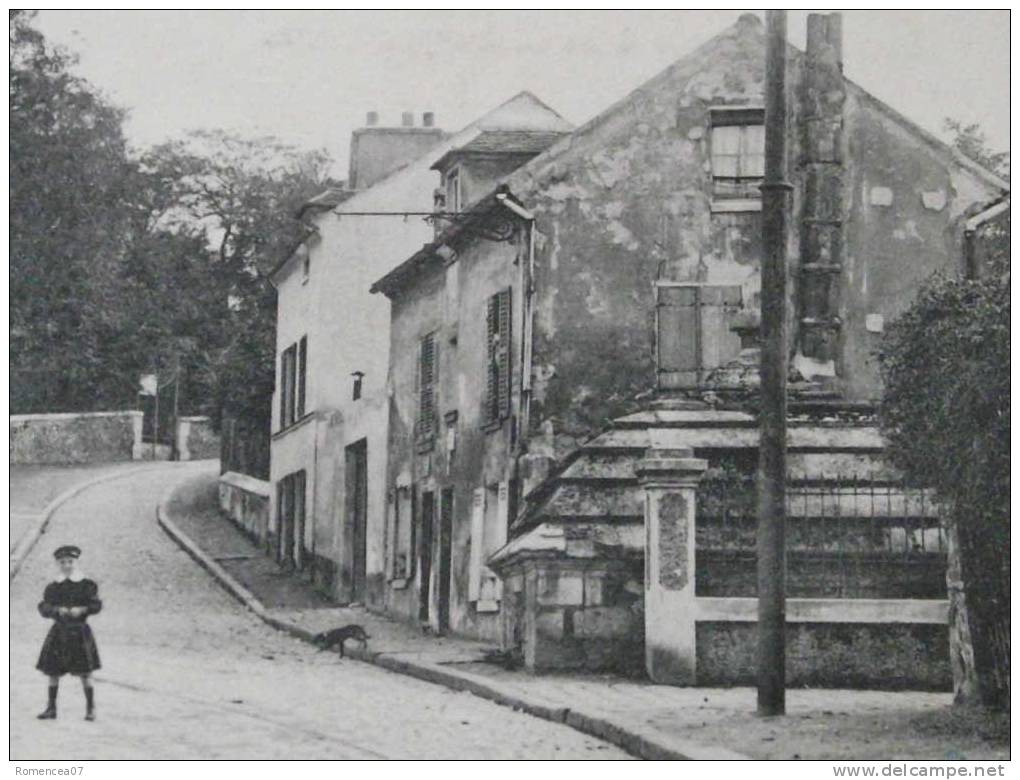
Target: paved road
pixel 188 673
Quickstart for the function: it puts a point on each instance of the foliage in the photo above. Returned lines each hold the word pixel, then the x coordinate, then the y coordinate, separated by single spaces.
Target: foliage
pixel 242 196
pixel 125 263
pixel 971 141
pixel 69 214
pixel 945 412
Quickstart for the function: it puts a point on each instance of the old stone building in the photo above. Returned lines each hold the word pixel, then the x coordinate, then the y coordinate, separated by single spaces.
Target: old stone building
pixel 573 376
pixel 328 491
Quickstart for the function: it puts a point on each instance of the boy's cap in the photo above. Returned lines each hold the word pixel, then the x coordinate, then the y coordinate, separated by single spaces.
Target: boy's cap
pixel 67 551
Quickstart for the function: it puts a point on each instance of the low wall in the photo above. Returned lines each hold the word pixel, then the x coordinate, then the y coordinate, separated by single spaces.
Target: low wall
pixel 85 437
pixel 196 439
pixel 245 500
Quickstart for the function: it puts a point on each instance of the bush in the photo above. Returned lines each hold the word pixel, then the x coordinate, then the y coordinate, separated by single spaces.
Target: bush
pixel 945 412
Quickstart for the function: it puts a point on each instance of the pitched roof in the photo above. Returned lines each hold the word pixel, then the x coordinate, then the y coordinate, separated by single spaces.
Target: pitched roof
pixel 332 196
pixel 504 142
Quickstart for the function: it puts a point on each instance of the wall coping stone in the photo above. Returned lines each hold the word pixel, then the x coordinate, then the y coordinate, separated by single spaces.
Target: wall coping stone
pixel 247 483
pixel 15 418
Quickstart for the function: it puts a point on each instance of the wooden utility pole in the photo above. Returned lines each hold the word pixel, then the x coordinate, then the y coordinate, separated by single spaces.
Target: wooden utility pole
pixel 772 452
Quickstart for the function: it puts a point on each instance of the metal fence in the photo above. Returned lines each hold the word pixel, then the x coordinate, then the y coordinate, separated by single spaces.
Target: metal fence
pixel 860 536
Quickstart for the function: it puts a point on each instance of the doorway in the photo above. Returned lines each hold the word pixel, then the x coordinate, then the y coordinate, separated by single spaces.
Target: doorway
pixel 445 557
pixel 356 526
pixel 428 504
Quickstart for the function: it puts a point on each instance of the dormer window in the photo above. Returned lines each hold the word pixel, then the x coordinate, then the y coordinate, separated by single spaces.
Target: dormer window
pixel 738 153
pixel 453 199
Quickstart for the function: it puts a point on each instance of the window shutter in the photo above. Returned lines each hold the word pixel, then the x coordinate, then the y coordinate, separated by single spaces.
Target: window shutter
pixel 490 412
pixel 500 532
pixel 283 389
pixel 477 544
pixel 503 357
pixel 427 387
pixel 302 363
pixel 693 334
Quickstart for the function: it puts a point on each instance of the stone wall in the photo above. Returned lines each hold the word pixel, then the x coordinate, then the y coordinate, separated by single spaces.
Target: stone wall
pixel 196 439
pixel 891 656
pixel 570 615
pixel 86 437
pixel 245 500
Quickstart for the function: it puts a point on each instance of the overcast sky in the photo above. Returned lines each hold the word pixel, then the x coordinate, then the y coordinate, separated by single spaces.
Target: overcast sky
pixel 309 77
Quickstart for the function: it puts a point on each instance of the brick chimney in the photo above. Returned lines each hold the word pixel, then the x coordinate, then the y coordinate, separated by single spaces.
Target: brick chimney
pixel 823 95
pixel 377 151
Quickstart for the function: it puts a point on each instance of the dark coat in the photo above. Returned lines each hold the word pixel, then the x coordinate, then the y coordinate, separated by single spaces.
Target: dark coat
pixel 69 647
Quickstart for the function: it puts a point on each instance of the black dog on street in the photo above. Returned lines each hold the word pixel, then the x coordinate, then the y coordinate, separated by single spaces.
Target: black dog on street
pixel 337 637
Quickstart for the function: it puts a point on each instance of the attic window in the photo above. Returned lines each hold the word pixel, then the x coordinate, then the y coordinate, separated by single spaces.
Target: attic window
pixel 738 153
pixel 453 190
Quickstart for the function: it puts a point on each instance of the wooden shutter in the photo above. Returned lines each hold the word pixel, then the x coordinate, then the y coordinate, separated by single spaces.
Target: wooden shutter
pixel 283 389
pixel 503 355
pixel 677 342
pixel 477 544
pixel 427 375
pixel 693 333
pixel 491 412
pixel 302 363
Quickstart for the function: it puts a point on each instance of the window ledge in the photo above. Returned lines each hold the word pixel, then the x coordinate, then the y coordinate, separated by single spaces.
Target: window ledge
pixel 294 425
pixel 736 205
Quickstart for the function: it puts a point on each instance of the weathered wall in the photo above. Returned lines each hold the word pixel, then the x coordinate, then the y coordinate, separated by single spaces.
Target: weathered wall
pixel 847 655
pixel 87 437
pixel 627 200
pixel 907 202
pixel 196 439
pixel 348 330
pixel 245 500
pixel 452 303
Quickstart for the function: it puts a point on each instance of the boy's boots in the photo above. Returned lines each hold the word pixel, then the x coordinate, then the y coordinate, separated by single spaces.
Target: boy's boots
pixel 51 705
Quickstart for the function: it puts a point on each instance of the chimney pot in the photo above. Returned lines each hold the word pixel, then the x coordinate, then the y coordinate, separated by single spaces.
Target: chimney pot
pixel 372 118
pixel 428 119
pixel 407 119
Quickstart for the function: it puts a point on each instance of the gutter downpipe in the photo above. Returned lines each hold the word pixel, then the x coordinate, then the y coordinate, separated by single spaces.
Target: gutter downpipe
pixel 527 268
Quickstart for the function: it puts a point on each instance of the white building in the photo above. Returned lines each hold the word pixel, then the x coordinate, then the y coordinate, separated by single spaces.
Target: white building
pixel 331 406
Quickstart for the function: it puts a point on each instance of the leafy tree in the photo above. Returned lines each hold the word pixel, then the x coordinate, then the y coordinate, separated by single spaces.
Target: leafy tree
pixel 69 207
pixel 946 414
pixel 241 195
pixel 971 141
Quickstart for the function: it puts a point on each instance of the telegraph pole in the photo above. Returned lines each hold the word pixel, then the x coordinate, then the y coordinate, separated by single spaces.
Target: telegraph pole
pixel 772 451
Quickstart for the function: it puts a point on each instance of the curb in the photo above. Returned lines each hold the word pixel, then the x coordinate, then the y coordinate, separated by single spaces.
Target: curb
pixel 640 745
pixel 28 540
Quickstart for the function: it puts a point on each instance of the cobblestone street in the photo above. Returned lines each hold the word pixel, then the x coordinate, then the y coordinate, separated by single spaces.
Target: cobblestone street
pixel 188 673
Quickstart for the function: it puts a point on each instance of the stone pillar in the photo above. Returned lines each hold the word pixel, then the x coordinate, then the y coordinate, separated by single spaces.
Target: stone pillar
pixel 137 449
pixel 670 478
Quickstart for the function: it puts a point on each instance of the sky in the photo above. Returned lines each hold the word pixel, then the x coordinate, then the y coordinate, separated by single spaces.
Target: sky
pixel 309 77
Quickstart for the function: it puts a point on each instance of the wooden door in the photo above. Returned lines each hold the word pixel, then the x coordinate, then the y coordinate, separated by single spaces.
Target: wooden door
pixel 445 556
pixel 427 517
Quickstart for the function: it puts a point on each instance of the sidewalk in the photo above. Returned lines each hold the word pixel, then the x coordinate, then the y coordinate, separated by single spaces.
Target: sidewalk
pixel 649 721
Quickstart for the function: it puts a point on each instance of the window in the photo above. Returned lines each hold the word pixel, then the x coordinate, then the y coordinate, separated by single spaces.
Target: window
pixel 301 371
pixel 428 374
pixel 738 153
pixel 306 266
pixel 453 190
pixel 293 369
pixel 496 403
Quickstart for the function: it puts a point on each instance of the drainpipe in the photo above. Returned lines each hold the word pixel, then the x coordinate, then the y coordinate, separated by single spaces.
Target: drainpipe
pixel 527 268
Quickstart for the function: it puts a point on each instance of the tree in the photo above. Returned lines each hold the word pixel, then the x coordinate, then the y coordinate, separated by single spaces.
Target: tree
pixel 69 207
pixel 241 194
pixel 945 412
